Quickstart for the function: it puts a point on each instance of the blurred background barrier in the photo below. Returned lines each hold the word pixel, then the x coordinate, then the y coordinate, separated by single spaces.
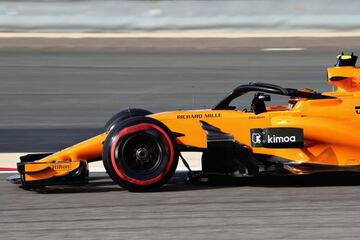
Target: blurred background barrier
pixel 146 15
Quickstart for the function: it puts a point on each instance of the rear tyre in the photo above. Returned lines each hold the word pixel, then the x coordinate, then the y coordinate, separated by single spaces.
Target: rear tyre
pixel 123 115
pixel 140 154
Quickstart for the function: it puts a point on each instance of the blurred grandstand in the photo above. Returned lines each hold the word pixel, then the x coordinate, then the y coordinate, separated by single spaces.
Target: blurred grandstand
pixel 146 15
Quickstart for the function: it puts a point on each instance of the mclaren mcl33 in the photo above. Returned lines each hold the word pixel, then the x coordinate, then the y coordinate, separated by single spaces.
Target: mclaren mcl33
pixel 311 133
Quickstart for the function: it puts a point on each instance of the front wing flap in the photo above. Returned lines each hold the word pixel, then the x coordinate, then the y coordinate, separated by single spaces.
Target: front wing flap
pixel 35 174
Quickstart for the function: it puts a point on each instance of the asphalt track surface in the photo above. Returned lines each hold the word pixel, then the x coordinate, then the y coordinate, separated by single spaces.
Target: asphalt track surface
pixel 56 92
pixel 53 97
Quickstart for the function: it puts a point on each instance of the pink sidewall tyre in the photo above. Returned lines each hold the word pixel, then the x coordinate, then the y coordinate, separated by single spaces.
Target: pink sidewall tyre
pixel 140 154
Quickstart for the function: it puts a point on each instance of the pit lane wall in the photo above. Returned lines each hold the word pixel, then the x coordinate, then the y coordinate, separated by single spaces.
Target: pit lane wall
pixel 147 15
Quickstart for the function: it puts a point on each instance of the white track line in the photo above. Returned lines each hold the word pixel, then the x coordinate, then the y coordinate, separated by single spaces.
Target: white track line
pixel 9 160
pixel 282 49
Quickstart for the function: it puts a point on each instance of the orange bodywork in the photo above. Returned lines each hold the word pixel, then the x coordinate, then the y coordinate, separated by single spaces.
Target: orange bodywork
pixel 331 136
pixel 330 126
pixel 65 161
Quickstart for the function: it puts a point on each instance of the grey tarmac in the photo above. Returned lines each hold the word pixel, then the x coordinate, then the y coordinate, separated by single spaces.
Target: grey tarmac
pixel 55 94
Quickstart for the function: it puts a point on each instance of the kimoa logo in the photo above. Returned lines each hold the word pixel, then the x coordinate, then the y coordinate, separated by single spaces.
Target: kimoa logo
pixel 256 138
pixel 280 139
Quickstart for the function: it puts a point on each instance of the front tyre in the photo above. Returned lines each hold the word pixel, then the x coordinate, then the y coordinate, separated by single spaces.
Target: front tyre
pixel 140 154
pixel 123 115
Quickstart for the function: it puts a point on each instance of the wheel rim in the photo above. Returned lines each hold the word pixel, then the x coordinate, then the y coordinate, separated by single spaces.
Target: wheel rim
pixel 126 173
pixel 142 152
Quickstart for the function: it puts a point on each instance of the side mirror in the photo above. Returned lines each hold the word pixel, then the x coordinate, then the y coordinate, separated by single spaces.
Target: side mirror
pixel 263 97
pixel 258 105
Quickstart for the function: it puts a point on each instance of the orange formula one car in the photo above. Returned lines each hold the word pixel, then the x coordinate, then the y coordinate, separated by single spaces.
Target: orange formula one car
pixel 315 132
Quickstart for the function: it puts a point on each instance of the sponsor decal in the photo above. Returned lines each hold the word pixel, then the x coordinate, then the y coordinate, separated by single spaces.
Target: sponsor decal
pixel 256 138
pixel 256 117
pixel 357 109
pixel 60 166
pixel 277 137
pixel 198 116
pixel 280 139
